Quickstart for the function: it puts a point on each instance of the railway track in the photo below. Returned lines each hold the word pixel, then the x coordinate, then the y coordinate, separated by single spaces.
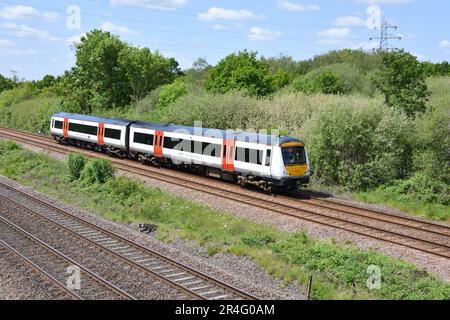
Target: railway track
pixel 183 278
pixel 413 233
pixel 53 264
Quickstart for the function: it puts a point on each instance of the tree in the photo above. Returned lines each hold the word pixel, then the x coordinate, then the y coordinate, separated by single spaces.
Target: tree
pixel 402 81
pixel 6 83
pixel 241 71
pixel 146 71
pixel 328 82
pixel 46 82
pixel 97 63
pixel 111 73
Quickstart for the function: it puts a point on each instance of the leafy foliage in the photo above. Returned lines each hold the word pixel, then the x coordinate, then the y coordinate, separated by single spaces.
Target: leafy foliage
pixel 170 93
pixel 146 71
pixel 6 83
pixel 359 146
pixel 402 82
pixel 109 73
pixel 241 71
pixel 97 171
pixel 76 163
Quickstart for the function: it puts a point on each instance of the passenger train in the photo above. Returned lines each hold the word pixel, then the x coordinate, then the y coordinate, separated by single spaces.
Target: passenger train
pixel 266 161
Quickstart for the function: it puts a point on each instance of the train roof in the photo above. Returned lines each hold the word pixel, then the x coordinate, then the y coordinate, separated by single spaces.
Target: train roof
pixel 75 116
pixel 217 133
pixel 207 132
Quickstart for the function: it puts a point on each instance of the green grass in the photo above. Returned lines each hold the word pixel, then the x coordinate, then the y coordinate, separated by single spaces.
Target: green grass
pixel 431 211
pixel 339 270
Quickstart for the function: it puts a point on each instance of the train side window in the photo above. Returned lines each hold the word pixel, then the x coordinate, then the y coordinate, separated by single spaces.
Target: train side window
pixel 58 124
pixel 112 133
pixel 81 128
pixel 268 155
pixel 143 138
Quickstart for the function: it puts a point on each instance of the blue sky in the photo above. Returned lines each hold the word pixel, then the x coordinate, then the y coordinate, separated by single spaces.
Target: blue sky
pixel 36 37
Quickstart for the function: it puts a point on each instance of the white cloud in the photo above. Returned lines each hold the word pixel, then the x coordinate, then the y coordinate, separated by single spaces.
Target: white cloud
pixel 26 12
pixel 6 43
pixel 220 27
pixel 419 56
pixel 215 13
pixel 24 31
pixel 18 52
pixel 76 39
pixel 111 27
pixel 350 21
pixel 380 2
pixel 151 4
pixel 255 34
pixel 292 6
pixel 335 33
pixel 444 44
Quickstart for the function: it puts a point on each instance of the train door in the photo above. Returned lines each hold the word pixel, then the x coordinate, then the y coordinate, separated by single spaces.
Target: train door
pixel 101 134
pixel 228 155
pixel 267 163
pixel 66 128
pixel 158 143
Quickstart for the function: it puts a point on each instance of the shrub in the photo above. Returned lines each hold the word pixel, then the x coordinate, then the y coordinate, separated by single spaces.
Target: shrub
pixel 76 163
pixel 170 93
pixel 329 83
pixel 304 84
pixel 258 240
pixel 8 145
pixel 97 171
pixel 125 191
pixel 324 81
pixel 359 146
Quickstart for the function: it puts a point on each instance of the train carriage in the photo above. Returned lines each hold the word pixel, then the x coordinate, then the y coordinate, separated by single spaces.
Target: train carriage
pixel 103 134
pixel 266 161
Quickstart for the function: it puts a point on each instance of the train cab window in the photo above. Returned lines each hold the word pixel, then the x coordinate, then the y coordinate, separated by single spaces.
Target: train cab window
pixel 268 155
pixel 58 124
pixel 112 133
pixel 143 138
pixel 294 155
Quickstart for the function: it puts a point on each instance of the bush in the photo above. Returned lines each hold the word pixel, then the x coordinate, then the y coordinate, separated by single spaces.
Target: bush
pixel 76 163
pixel 325 81
pixel 97 171
pixel 170 93
pixel 329 83
pixel 258 240
pixel 124 190
pixel 8 145
pixel 359 146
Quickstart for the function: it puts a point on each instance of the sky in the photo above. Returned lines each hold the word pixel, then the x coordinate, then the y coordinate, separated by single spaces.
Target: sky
pixel 38 37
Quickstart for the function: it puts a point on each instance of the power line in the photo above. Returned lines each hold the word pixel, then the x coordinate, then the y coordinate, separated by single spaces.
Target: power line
pixel 385 36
